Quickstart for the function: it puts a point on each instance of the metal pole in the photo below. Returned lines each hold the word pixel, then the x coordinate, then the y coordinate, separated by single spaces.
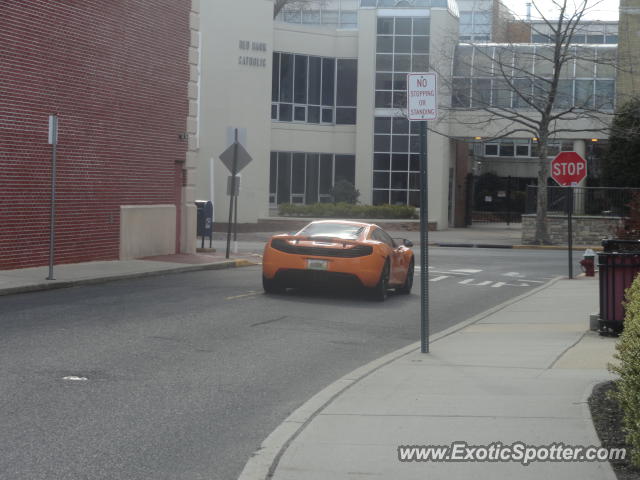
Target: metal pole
pixel 52 233
pixel 424 242
pixel 233 189
pixel 570 231
pixel 235 225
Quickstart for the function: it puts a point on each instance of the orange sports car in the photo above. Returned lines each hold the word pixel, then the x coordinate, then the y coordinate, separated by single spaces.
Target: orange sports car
pixel 332 251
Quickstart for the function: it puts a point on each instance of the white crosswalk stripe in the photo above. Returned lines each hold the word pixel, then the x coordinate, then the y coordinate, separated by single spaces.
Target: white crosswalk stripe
pixel 437 279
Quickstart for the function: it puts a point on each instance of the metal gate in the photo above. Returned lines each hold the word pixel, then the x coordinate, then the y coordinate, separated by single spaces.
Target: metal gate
pixel 494 199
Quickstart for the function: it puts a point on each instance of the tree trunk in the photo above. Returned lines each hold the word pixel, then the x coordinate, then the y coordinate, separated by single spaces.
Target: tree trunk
pixel 542 227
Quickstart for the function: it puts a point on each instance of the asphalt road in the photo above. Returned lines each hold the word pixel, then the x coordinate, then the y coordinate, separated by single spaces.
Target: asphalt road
pixel 182 376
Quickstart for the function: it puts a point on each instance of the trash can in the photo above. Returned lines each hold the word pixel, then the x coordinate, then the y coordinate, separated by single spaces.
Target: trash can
pixel 618 265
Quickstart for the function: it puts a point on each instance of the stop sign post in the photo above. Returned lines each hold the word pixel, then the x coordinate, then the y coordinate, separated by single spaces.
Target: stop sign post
pixel 568 169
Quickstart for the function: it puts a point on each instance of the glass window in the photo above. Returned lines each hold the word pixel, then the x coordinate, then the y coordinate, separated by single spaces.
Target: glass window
pixel 605 93
pixel 286 77
pixel 380 197
pixel 506 149
pixel 326 174
pixel 595 38
pixel 327 115
pixel 491 149
pixel 315 66
pixel 400 81
pixel 346 168
pixel 328 79
pixel 300 79
pixel 400 99
pixel 584 93
pixel 273 172
pixel 402 45
pixel 384 44
pixel 564 96
pixel 313 114
pixel 347 83
pixel 420 44
pixel 383 100
pixel 381 161
pixel 481 94
pixel 284 178
pixel 606 66
pixel 286 112
pixel 420 63
pixel 384 81
pixel 382 143
pixel 275 78
pixel 399 162
pixel 381 179
pixel 402 63
pixel 298 173
pixel 384 63
pixel 312 178
pixel 382 125
pixel 300 114
pixel 421 26
pixel 400 143
pixel 385 26
pixel 345 116
pixel 461 92
pixel 400 125
pixel 403 26
pixel 398 197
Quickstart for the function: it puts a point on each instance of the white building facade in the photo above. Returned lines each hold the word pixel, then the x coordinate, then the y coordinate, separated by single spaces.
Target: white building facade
pixel 321 97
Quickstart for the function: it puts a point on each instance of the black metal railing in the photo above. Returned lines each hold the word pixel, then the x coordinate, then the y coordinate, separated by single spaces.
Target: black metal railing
pixel 597 201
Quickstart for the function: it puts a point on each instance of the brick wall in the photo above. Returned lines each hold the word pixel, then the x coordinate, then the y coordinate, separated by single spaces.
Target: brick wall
pixel 116 72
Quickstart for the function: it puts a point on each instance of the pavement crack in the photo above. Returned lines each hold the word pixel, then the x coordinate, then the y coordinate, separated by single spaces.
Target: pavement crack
pixel 269 321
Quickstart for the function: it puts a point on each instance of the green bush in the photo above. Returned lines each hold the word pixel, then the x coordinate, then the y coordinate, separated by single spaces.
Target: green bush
pixel 345 191
pixel 628 355
pixel 347 210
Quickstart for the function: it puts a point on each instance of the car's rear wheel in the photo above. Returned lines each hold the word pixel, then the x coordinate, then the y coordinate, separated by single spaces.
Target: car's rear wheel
pixel 381 290
pixel 408 283
pixel 271 285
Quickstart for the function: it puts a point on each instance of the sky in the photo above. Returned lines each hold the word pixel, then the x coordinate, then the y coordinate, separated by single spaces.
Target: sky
pixel 597 9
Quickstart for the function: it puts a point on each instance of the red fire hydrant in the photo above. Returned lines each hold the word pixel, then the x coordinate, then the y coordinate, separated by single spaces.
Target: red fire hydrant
pixel 587 263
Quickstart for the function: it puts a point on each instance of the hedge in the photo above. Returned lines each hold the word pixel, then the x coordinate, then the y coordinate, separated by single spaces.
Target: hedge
pixel 628 354
pixel 347 210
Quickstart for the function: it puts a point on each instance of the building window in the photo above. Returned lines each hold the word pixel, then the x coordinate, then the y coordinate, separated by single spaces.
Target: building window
pixel 396 161
pixel 306 178
pixel 313 89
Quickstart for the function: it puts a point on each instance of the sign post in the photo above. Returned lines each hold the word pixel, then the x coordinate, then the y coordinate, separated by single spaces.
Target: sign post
pixel 568 169
pixel 422 106
pixel 53 141
pixel 235 158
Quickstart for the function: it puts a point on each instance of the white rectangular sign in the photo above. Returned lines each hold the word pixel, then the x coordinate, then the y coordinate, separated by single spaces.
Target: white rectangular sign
pixel 422 98
pixel 53 129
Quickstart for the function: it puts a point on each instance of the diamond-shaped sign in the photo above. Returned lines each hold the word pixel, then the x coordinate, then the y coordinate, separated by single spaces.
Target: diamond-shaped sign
pixel 243 159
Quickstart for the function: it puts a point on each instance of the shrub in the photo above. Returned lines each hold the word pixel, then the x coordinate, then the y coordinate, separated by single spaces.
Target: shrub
pixel 628 355
pixel 347 210
pixel 345 191
pixel 630 230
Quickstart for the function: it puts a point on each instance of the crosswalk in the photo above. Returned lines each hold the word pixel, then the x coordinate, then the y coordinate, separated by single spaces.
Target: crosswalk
pixel 470 277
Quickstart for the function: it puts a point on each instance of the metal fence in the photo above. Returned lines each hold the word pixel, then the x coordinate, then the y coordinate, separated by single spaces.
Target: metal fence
pixel 599 201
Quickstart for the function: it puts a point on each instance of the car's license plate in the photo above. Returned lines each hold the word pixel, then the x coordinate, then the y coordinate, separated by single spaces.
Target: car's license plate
pixel 314 264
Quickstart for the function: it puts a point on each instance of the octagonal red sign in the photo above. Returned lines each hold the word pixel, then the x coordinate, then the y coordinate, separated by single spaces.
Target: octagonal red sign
pixel 568 169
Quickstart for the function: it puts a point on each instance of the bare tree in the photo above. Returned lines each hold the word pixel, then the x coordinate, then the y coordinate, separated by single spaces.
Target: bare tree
pixel 513 88
pixel 278 5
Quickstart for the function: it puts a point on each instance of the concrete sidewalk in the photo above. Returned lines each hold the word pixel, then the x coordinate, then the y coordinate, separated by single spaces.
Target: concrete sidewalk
pixel 520 372
pixel 32 279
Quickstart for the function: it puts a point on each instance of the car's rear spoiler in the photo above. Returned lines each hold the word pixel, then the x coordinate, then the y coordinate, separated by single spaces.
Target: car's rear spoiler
pixel 307 238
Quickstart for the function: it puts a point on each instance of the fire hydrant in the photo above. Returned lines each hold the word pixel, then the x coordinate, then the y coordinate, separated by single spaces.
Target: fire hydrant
pixel 587 263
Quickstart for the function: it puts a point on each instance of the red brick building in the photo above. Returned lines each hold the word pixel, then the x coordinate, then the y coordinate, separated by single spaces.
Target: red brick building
pixel 118 74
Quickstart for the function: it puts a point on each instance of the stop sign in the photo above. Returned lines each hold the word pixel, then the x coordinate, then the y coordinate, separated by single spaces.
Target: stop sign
pixel 568 169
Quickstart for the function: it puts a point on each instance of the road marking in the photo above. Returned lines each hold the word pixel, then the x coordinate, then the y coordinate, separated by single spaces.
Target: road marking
pixel 466 270
pixel 498 284
pixel 73 378
pixel 481 284
pixel 250 294
pixel 512 274
pixel 437 279
pixel 467 281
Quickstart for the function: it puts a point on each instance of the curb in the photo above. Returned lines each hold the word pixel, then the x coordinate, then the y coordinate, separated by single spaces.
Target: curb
pixel 264 461
pixel 518 247
pixel 94 281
